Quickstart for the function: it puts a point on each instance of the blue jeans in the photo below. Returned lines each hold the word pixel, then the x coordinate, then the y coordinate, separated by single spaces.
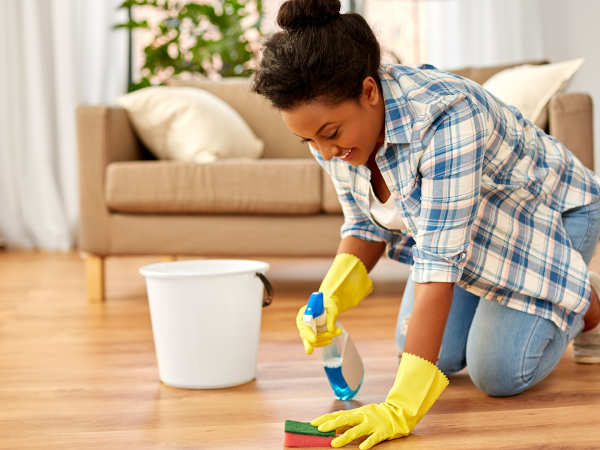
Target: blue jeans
pixel 507 351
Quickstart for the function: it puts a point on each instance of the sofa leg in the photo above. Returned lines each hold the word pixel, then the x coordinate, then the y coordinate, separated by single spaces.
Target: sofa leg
pixel 94 270
pixel 168 258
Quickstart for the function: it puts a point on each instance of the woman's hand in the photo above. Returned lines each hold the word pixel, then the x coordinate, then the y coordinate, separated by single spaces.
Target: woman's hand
pixel 309 339
pixel 379 422
pixel 418 385
pixel 347 282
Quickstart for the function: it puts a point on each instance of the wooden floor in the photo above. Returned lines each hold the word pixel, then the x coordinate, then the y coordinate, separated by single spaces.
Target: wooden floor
pixel 75 375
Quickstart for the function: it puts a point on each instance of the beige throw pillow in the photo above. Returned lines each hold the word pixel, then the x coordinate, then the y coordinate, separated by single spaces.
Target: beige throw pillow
pixel 189 125
pixel 529 88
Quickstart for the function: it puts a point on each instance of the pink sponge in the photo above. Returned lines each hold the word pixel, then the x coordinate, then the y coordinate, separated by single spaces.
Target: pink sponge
pixel 303 434
pixel 305 440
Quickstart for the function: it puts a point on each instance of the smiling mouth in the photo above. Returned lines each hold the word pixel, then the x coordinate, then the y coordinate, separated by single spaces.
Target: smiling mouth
pixel 348 155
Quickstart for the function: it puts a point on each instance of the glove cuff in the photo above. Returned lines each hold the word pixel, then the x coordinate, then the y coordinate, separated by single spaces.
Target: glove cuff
pixel 418 385
pixel 347 281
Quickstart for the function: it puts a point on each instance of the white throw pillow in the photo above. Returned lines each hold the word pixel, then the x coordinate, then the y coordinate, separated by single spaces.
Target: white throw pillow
pixel 529 88
pixel 189 124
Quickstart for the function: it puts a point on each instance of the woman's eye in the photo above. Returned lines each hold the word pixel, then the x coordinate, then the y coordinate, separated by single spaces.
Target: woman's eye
pixel 333 135
pixel 304 141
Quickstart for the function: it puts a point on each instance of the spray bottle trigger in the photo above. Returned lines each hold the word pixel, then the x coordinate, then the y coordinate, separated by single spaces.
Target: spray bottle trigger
pixel 310 321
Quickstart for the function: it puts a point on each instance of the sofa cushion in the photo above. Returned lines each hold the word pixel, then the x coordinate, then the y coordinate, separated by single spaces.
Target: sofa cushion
pixel 529 88
pixel 482 74
pixel 189 125
pixel 265 121
pixel 231 186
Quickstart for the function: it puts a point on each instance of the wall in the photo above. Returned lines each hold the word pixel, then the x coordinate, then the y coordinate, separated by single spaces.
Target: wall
pixel 571 29
pixel 482 33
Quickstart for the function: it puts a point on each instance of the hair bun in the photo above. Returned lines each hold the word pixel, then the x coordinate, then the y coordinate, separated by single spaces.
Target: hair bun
pixel 295 14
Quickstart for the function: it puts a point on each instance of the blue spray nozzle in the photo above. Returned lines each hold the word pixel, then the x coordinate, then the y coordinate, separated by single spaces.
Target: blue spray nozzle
pixel 315 306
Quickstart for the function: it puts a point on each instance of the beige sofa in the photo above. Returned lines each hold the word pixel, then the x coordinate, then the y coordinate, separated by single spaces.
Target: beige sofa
pixel 280 205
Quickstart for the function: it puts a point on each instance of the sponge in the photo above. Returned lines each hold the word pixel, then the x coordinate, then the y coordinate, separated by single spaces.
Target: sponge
pixel 304 440
pixel 303 434
pixel 291 426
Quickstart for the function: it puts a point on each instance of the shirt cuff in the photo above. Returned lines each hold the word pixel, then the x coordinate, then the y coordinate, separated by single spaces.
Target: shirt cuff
pixel 433 268
pixel 366 231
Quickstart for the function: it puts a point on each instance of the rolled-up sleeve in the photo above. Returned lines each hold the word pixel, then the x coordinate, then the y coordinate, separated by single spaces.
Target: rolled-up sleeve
pixel 356 223
pixel 450 172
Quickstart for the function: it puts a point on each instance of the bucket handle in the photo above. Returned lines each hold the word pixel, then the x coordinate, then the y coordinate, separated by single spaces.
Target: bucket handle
pixel 268 287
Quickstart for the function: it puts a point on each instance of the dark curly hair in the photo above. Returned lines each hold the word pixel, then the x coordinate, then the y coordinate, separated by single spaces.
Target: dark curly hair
pixel 319 55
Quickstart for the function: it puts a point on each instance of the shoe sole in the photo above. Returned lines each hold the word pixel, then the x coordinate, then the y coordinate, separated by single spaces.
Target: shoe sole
pixel 587 347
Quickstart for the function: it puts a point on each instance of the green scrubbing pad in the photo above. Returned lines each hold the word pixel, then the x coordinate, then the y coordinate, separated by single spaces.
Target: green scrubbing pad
pixel 291 426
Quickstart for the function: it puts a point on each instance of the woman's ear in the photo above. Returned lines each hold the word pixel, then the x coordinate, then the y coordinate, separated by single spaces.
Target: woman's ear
pixel 370 91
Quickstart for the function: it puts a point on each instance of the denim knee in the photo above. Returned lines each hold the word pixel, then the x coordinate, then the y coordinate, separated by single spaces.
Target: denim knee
pixel 450 367
pixel 509 351
pixel 452 359
pixel 497 376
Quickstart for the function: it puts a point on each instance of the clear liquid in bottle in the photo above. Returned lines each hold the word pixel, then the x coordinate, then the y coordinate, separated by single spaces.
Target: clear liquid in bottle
pixel 345 379
pixel 342 363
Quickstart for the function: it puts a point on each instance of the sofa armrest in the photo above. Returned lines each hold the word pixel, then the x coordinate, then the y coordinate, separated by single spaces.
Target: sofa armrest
pixel 104 135
pixel 571 122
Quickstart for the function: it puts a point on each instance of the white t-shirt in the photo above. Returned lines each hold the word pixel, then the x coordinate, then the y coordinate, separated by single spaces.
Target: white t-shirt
pixel 386 213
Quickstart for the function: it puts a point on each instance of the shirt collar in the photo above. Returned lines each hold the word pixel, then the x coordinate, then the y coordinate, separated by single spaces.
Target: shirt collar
pixel 398 117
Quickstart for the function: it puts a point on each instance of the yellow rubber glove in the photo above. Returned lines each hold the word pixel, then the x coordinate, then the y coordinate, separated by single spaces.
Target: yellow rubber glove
pixel 418 385
pixel 347 282
pixel 309 339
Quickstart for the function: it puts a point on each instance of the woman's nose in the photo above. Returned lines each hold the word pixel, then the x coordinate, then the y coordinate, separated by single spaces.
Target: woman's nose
pixel 328 152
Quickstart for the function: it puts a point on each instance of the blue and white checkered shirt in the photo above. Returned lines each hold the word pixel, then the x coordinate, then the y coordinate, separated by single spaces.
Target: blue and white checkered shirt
pixel 481 190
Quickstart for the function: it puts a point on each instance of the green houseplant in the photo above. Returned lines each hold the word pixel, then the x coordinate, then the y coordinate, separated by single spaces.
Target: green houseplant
pixel 204 39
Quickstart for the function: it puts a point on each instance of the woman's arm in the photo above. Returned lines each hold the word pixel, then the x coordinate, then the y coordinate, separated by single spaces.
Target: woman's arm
pixel 368 252
pixel 428 319
pixel 418 384
pixel 431 307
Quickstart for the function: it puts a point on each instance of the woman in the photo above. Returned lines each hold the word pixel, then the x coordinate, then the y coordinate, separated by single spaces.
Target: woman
pixel 498 220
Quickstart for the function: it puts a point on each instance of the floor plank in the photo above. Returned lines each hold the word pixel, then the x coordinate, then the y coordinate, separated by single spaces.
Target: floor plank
pixel 84 376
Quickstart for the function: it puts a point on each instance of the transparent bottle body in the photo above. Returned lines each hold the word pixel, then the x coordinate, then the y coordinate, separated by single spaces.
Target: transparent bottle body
pixel 332 355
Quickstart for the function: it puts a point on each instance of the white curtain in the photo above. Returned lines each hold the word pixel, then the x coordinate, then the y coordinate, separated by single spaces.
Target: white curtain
pixel 473 33
pixel 55 55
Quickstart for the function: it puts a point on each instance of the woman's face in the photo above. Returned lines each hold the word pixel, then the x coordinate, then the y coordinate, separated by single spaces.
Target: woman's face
pixel 349 131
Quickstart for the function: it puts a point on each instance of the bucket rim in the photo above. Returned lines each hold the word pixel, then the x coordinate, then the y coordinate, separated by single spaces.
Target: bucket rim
pixel 156 270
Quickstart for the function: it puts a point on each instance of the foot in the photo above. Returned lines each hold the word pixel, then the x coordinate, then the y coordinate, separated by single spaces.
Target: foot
pixel 586 347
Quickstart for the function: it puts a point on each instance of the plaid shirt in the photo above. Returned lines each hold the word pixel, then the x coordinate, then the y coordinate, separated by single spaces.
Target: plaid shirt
pixel 481 190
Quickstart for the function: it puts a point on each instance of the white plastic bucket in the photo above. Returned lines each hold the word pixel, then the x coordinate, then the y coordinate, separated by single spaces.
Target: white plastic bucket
pixel 206 320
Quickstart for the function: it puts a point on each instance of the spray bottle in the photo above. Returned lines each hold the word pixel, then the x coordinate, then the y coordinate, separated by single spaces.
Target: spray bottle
pixel 341 361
